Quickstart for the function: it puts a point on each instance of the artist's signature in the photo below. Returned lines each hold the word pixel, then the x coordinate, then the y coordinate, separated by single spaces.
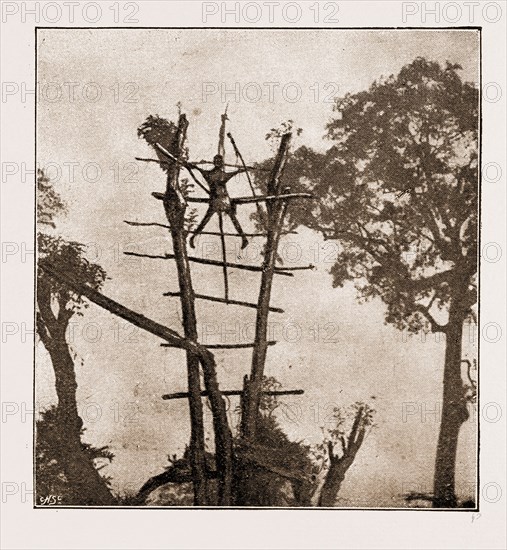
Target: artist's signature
pixel 50 500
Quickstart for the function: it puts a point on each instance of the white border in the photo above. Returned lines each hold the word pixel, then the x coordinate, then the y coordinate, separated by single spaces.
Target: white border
pixel 23 527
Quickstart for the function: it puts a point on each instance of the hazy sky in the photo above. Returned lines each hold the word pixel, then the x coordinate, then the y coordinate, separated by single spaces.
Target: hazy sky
pixel 96 87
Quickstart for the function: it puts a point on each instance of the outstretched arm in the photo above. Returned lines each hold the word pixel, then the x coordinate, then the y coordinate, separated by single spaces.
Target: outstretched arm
pixel 230 175
pixel 189 166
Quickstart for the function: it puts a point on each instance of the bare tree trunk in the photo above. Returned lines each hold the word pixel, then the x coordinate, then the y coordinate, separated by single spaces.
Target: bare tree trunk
pixel 333 482
pixel 223 437
pixel 197 444
pixel 175 207
pixel 87 485
pixel 276 214
pixel 454 411
pixel 252 387
pixel 65 383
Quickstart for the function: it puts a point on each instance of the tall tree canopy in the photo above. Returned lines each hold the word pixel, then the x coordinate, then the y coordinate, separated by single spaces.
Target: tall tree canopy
pixel 399 190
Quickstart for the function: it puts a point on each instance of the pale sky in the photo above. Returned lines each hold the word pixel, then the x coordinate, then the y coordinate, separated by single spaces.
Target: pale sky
pixel 335 349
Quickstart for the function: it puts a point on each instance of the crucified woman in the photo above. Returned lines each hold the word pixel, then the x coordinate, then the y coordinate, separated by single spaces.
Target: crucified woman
pixel 219 200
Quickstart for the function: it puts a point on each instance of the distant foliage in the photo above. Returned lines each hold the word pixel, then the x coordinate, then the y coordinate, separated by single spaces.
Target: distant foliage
pixel 68 257
pixel 49 202
pixel 156 129
pixel 275 134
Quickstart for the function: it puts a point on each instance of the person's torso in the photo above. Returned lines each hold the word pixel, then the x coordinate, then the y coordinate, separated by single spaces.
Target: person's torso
pixel 217 180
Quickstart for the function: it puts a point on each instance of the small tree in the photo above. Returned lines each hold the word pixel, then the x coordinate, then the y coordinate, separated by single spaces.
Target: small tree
pixel 267 485
pixel 56 305
pixel 49 203
pixel 399 190
pixel 350 426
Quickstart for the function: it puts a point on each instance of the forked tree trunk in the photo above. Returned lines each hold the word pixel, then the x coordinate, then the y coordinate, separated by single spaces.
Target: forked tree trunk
pixel 338 465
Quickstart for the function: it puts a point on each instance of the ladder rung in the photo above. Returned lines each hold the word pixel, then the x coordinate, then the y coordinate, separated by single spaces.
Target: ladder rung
pixel 207 262
pixel 204 393
pixel 224 301
pixel 227 346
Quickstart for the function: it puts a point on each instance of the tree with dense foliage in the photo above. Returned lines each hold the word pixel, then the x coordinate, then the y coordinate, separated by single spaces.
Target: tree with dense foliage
pixel 398 189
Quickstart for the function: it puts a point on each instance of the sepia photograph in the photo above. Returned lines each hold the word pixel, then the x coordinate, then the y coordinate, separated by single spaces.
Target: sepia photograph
pixel 257 267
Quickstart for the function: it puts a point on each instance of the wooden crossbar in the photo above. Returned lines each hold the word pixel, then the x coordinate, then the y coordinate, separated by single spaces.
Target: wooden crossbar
pixel 147 224
pixel 228 346
pixel 184 164
pixel 262 198
pixel 183 395
pixel 204 162
pixel 231 165
pixel 295 268
pixel 224 301
pixel 216 233
pixel 245 200
pixel 235 346
pixel 209 262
